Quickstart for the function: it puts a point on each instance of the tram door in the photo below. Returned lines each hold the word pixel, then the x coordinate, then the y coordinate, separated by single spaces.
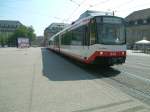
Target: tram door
pixel 92 32
pixel 86 35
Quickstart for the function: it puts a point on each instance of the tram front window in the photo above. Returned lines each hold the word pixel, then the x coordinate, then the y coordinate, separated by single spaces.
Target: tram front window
pixel 111 33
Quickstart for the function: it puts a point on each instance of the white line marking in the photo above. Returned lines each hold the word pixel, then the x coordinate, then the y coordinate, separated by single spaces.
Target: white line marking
pixel 143 64
pixel 139 63
pixel 136 76
pixel 139 67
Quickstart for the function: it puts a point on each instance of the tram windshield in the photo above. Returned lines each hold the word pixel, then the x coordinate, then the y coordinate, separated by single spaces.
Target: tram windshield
pixel 111 31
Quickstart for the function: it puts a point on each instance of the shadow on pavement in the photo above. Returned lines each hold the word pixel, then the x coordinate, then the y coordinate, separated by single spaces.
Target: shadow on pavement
pixel 60 68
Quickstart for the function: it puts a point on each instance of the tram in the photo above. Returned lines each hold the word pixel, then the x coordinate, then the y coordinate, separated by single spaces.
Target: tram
pixel 93 39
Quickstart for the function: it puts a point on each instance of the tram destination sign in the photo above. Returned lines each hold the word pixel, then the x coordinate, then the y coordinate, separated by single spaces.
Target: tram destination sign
pixel 112 20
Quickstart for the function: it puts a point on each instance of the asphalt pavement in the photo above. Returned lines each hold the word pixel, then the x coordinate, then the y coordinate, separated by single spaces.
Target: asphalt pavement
pixel 38 80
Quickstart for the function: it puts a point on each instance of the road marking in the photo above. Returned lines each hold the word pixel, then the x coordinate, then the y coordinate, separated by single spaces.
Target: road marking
pixel 139 63
pixel 135 76
pixel 111 105
pixel 139 67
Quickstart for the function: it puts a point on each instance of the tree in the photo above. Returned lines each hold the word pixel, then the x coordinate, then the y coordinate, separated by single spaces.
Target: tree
pixel 22 31
pixel 3 40
pixel 31 33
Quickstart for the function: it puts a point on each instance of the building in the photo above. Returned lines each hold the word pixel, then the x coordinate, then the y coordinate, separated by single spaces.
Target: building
pixel 7 27
pixel 138 26
pixel 38 42
pixel 53 29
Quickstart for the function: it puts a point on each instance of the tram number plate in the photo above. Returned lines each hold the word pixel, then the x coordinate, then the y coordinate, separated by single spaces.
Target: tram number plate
pixel 113 54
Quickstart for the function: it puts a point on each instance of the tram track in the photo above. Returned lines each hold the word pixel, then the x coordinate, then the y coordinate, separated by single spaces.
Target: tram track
pixel 129 88
pixel 136 93
pixel 134 85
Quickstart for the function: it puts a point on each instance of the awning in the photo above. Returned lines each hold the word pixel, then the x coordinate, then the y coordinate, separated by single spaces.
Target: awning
pixel 143 42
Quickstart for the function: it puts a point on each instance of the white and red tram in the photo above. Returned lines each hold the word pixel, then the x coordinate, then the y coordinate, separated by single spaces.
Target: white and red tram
pixel 93 40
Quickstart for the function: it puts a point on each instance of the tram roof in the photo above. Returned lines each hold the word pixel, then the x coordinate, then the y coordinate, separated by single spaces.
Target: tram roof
pixel 94 13
pixel 85 16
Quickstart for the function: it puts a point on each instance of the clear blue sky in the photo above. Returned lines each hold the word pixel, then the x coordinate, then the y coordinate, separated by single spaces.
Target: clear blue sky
pixel 41 13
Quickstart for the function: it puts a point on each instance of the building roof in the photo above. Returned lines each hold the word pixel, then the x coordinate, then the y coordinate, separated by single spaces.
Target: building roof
pixel 57 25
pixel 9 22
pixel 140 14
pixel 143 42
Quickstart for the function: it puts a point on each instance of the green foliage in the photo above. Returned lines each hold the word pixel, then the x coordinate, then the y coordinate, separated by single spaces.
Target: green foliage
pixel 22 31
pixel 11 39
pixel 3 40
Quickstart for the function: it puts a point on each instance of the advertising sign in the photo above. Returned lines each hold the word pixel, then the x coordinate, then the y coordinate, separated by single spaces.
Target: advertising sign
pixel 23 42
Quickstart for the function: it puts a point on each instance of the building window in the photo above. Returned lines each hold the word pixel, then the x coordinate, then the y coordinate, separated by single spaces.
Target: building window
pixel 135 22
pixel 140 21
pixel 148 20
pixel 144 21
pixel 131 22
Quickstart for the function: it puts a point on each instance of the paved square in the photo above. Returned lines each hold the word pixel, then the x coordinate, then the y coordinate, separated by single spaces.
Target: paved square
pixel 36 80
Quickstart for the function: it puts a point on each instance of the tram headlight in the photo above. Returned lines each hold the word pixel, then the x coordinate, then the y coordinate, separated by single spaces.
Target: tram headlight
pixel 101 53
pixel 123 53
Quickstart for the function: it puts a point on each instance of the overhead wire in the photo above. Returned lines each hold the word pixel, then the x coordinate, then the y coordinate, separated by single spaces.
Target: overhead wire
pixel 135 7
pixel 75 2
pixel 125 3
pixel 14 8
pixel 101 2
pixel 116 8
pixel 75 10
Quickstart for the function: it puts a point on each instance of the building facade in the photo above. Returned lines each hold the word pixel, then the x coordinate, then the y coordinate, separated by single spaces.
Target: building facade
pixel 138 26
pixel 7 27
pixel 52 29
pixel 38 42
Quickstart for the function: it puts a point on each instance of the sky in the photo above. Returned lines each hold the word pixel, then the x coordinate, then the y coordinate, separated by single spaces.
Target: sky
pixel 41 13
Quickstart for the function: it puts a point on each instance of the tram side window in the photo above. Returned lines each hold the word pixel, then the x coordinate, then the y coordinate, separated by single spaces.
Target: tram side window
pixel 56 41
pixel 62 40
pixel 77 36
pixel 85 35
pixel 66 38
pixel 49 43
